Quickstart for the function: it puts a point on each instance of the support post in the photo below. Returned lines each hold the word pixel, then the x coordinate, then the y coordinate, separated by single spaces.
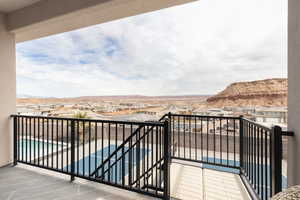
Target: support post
pixel 73 150
pixel 241 143
pixel 8 92
pixel 172 145
pixel 293 161
pixel 167 158
pixel 15 131
pixel 276 159
pixel 138 153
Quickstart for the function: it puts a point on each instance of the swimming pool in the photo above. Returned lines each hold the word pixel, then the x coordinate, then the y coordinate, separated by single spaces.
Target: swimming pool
pixel 87 165
pixel 221 168
pixel 33 148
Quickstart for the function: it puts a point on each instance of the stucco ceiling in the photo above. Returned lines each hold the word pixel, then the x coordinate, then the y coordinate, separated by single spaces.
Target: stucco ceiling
pixel 7 6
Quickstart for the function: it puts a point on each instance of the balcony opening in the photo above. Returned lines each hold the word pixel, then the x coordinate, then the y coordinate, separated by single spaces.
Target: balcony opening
pixel 167 136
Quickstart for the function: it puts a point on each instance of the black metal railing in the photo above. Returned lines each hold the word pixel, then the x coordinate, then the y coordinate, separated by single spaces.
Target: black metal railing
pixel 136 155
pixel 150 173
pixel 206 139
pixel 262 155
pixel 132 155
pixel 257 152
pixel 232 143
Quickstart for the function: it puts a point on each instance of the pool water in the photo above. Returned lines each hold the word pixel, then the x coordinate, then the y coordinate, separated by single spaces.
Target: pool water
pixel 221 168
pixel 87 165
pixel 31 148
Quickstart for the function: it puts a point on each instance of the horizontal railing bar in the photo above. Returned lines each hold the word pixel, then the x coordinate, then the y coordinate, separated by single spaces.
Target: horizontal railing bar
pixel 204 116
pixel 93 120
pixel 288 133
pixel 205 162
pixel 257 124
pixel 153 187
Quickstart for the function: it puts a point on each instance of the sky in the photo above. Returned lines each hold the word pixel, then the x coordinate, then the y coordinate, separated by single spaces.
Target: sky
pixel 193 49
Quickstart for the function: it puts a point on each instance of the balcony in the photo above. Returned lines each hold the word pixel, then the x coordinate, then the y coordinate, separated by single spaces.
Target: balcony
pixel 26 182
pixel 259 165
pixel 179 156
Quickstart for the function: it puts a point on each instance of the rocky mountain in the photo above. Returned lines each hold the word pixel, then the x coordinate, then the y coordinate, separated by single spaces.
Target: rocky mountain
pixel 268 92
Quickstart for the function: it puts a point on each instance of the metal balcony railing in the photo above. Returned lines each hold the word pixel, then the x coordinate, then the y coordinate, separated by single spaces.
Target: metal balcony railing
pixel 136 155
pixel 130 154
pixel 248 148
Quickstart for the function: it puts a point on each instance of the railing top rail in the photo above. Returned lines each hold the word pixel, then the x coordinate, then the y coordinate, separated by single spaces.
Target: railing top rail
pixel 288 133
pixel 204 116
pixel 95 120
pixel 257 124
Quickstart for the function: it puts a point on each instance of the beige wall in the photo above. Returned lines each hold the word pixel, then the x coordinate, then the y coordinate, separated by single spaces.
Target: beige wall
pixel 294 91
pixel 7 91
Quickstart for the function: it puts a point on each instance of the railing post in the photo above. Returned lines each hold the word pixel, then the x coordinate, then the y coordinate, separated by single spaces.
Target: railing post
pixel 138 146
pixel 171 134
pixel 169 115
pixel 276 159
pixel 15 131
pixel 73 150
pixel 167 157
pixel 241 153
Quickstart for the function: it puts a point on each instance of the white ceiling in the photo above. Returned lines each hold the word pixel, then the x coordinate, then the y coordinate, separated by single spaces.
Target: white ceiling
pixel 12 5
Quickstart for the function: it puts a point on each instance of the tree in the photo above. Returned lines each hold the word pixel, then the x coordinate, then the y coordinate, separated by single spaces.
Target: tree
pixel 81 115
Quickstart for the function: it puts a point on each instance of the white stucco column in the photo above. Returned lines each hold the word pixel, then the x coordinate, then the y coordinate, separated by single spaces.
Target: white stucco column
pixel 7 91
pixel 294 91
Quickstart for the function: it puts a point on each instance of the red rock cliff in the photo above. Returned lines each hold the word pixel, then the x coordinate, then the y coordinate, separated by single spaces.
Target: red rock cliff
pixel 269 92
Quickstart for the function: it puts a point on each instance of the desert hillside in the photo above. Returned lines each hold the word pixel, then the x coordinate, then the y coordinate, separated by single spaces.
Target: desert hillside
pixel 268 92
pixel 125 98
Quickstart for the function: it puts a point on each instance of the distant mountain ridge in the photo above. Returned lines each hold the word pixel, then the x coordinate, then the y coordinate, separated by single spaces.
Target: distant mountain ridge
pixel 43 100
pixel 268 92
pixel 25 96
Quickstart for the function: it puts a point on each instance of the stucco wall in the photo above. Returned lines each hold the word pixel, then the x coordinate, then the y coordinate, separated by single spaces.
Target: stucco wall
pixel 7 91
pixel 294 91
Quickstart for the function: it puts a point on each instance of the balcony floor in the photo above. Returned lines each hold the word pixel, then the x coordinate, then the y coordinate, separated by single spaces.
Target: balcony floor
pixel 187 183
pixel 29 183
pixel 190 182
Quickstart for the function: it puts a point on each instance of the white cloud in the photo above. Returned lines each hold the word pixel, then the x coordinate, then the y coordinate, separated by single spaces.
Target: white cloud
pixel 196 48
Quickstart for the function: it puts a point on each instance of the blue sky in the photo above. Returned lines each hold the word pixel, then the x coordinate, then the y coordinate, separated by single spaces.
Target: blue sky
pixel 197 48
